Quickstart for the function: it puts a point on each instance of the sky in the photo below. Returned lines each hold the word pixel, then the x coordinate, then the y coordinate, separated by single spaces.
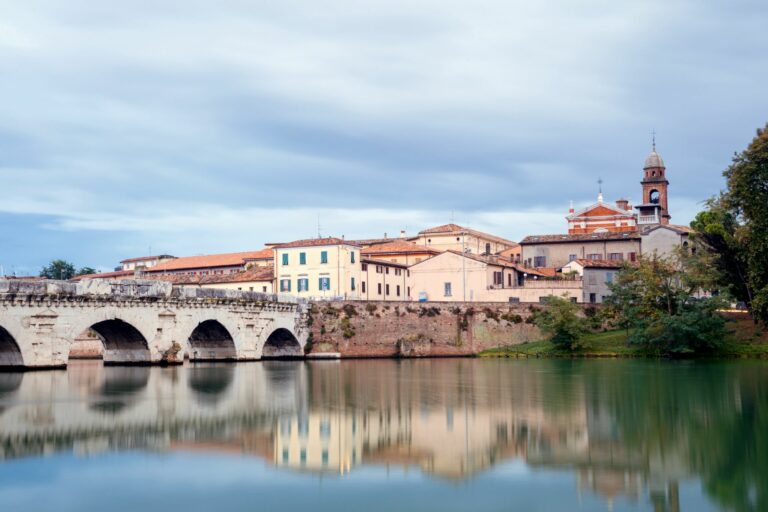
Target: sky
pixel 192 127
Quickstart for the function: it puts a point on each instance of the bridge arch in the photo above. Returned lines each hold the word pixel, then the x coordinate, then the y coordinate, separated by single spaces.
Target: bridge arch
pixel 211 341
pixel 120 388
pixel 10 353
pixel 282 344
pixel 123 343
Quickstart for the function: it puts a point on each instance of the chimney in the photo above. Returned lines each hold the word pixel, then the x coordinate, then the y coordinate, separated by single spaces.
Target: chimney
pixel 571 210
pixel 402 233
pixel 622 204
pixel 385 234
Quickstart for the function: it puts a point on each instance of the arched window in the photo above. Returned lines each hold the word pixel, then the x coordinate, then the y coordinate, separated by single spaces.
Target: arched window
pixel 653 197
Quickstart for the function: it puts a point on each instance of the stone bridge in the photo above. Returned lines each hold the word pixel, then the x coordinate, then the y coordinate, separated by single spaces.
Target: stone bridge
pixel 145 322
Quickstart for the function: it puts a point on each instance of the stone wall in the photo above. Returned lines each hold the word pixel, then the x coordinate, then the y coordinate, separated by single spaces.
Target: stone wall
pixel 408 329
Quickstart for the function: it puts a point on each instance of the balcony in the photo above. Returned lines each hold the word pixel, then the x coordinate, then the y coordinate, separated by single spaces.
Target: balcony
pixel 647 219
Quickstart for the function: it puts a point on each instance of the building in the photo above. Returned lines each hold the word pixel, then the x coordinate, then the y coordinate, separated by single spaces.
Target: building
pixel 654 209
pixel 453 276
pixel 558 250
pixel 595 275
pixel 116 275
pixel 144 262
pixel 211 264
pixel 319 268
pixel 384 280
pixel 602 218
pixel 255 279
pixel 663 239
pixel 399 251
pixel 452 237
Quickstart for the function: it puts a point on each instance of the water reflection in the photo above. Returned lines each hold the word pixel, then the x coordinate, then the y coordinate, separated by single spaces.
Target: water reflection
pixel 624 430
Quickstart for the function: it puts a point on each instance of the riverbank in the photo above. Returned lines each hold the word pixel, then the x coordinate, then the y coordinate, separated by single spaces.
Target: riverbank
pixel 746 341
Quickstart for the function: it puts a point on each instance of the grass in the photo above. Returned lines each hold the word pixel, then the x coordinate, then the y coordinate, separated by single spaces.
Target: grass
pixel 746 340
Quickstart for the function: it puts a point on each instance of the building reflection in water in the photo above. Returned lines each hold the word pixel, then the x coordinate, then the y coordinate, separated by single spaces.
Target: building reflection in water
pixel 623 429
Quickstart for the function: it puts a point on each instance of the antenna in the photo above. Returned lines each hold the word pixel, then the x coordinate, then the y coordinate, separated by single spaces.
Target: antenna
pixel 653 138
pixel 319 230
pixel 453 218
pixel 600 190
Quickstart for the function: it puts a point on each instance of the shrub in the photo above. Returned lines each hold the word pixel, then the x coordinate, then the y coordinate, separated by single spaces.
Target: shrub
pixel 561 323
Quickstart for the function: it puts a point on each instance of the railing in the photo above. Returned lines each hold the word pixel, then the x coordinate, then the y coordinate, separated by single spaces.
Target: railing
pixel 648 219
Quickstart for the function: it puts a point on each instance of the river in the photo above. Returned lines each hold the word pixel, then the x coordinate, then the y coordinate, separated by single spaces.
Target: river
pixel 375 435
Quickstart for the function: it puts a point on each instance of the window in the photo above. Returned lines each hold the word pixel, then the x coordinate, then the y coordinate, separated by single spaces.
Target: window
pixel 539 261
pixel 325 429
pixel 514 300
pixel 609 277
pixel 285 285
pixel 379 288
pixel 498 278
pixel 615 256
pixel 352 257
pixel 302 284
pixel 362 286
pixel 592 279
pixel 447 289
pixel 365 267
pixel 571 257
pixel 285 258
pixel 594 256
pixel 324 283
pixel 324 257
pixel 352 284
pixel 324 456
pixel 487 248
pixel 509 279
pixel 408 291
pixel 387 270
pixel 632 256
pixel 302 258
pixel 285 455
pixel 398 290
pixel 592 298
pixel 303 456
pixel 386 288
pixel 250 288
pixel 264 289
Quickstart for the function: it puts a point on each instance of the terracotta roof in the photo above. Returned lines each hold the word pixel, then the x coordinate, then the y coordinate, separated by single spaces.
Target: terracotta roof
pixel 674 227
pixel 600 263
pixel 255 274
pixel 398 247
pixel 455 228
pixel 490 260
pixel 375 241
pixel 231 259
pixel 264 254
pixel 145 258
pixel 316 242
pixel 105 275
pixel 585 237
pixel 384 263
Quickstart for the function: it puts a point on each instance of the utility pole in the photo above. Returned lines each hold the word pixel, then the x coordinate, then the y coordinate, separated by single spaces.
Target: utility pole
pixel 463 268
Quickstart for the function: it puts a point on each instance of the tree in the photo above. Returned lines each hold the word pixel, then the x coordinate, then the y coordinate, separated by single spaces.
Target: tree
pixel 657 300
pixel 562 323
pixel 86 271
pixel 58 269
pixel 747 196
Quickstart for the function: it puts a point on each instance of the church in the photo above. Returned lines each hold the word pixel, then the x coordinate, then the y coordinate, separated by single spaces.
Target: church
pixel 602 217
pixel 613 232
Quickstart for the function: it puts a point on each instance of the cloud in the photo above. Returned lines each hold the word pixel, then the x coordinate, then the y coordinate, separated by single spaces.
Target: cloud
pixel 146 118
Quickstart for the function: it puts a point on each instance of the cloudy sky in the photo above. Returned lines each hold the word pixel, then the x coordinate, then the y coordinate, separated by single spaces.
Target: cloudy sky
pixel 190 127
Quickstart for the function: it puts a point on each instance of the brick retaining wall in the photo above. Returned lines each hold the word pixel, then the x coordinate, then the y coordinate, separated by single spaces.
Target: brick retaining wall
pixel 408 329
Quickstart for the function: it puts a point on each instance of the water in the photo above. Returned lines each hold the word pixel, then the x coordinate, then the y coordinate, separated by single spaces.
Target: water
pixel 447 435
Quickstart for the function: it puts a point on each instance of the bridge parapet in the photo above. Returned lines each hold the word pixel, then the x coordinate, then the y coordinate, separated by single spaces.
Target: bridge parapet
pixel 126 289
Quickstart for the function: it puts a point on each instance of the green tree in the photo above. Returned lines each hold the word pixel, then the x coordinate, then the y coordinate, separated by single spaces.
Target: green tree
pixel 747 196
pixel 657 300
pixel 562 323
pixel 58 269
pixel 86 271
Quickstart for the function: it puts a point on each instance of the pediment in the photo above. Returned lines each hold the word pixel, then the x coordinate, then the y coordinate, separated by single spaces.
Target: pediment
pixel 600 210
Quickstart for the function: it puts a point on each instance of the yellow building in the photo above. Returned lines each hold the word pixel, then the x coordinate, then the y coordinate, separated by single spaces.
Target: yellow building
pixel 318 268
pixel 458 238
pixel 384 280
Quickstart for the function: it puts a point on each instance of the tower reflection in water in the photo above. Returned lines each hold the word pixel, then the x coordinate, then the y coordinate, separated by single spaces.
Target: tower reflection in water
pixel 622 428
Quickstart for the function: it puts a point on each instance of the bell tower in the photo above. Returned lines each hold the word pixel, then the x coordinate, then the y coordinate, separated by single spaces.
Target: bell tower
pixel 654 208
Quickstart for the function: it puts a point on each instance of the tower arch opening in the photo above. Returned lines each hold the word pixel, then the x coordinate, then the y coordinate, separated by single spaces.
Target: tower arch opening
pixel 211 341
pixel 10 353
pixel 653 196
pixel 123 343
pixel 282 344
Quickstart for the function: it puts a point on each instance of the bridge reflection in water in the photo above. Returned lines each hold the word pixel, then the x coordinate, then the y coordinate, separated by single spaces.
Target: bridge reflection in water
pixel 633 430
